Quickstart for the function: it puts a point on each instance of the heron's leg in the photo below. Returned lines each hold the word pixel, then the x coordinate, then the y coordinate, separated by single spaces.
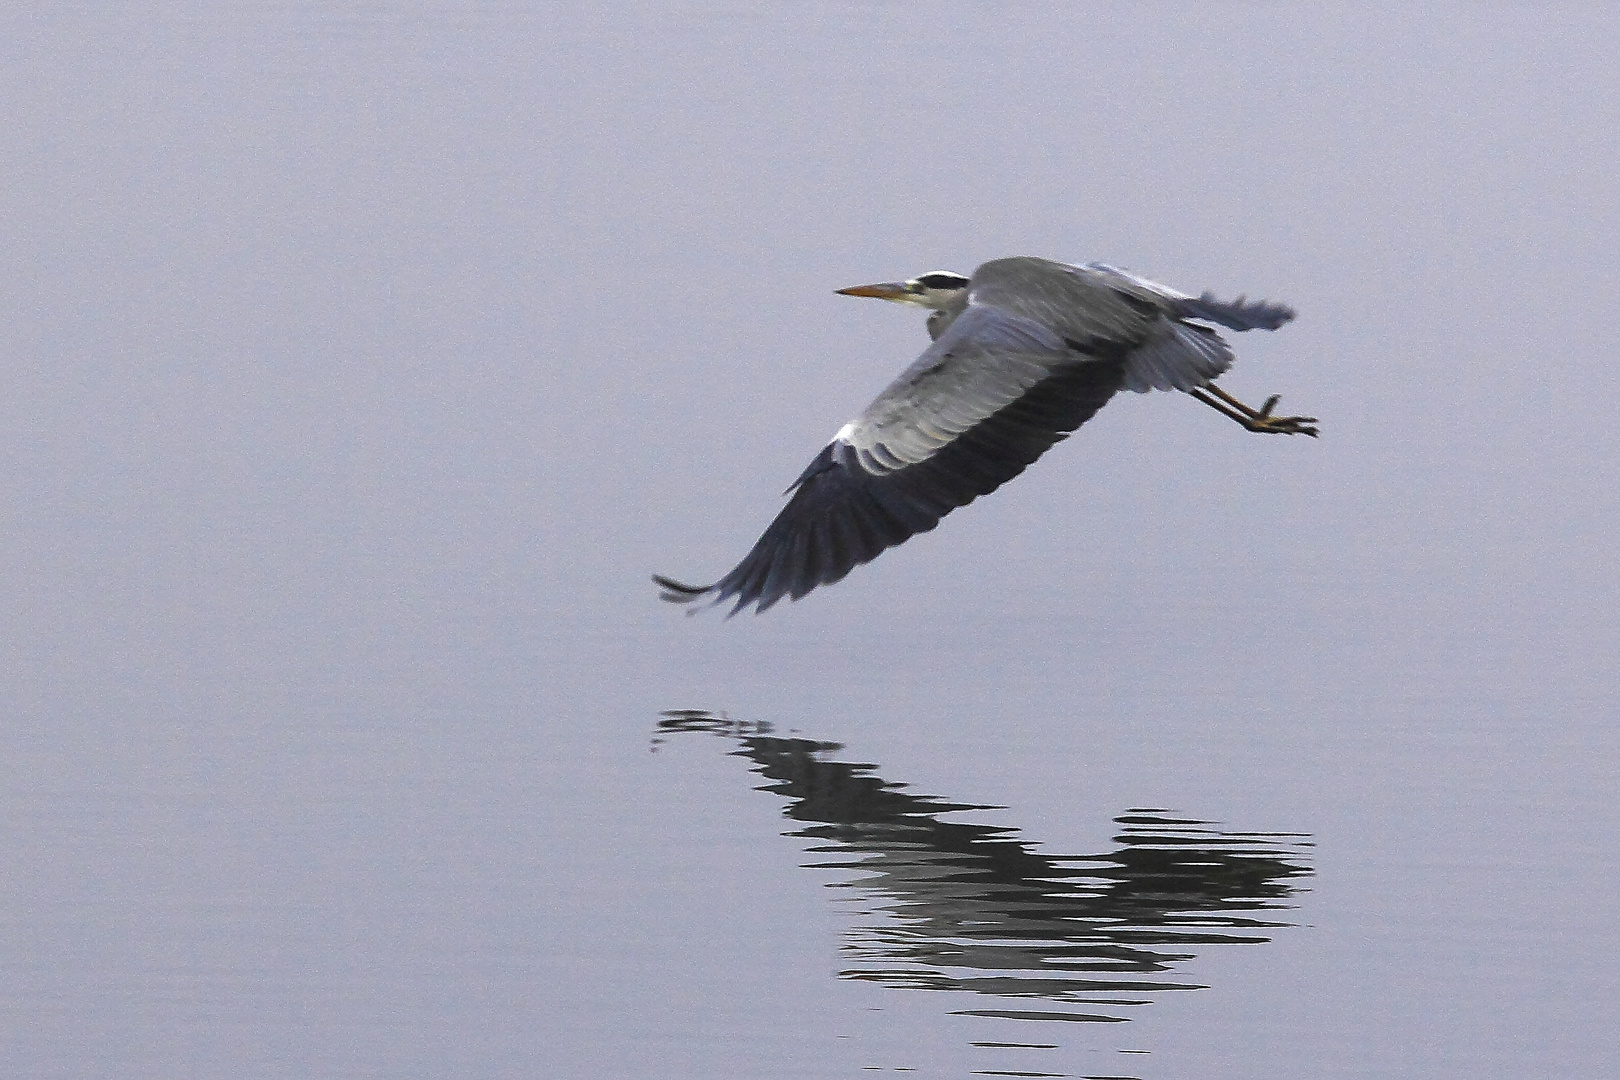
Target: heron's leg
pixel 1255 420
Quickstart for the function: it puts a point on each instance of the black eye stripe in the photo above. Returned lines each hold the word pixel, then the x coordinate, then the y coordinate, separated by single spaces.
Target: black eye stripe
pixel 942 280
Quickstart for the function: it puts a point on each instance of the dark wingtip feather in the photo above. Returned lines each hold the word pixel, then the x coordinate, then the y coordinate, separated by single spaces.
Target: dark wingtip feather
pixel 677 593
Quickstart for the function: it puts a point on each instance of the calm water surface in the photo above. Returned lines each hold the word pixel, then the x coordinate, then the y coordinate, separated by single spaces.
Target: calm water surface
pixel 363 361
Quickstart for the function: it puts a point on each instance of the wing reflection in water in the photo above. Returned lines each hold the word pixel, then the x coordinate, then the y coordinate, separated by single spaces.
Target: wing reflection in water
pixel 968 907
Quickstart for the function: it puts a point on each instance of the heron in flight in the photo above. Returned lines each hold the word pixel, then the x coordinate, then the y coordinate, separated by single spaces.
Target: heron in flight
pixel 1024 352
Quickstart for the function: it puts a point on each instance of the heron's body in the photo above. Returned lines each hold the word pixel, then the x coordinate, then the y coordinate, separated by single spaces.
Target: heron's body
pixel 1024 352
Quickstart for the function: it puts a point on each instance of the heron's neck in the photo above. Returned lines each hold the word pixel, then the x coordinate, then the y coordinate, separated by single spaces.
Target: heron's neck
pixel 940 318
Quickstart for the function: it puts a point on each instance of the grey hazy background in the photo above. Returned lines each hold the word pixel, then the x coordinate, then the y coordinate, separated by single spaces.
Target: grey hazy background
pixel 361 362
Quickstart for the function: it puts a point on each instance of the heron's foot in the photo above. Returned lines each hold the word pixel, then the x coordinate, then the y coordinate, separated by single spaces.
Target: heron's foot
pixel 1263 421
pixel 1259 419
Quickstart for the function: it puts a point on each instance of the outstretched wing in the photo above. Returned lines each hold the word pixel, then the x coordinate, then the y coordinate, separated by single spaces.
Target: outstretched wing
pixel 991 395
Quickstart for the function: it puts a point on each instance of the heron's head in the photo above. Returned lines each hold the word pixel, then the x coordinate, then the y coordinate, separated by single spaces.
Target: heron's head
pixel 937 289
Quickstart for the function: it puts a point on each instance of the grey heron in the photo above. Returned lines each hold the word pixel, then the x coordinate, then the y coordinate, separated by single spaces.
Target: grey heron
pixel 1024 352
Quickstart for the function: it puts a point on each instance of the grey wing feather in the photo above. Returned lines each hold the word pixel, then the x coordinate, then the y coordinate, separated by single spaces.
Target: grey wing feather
pixel 1102 308
pixel 1239 314
pixel 1178 355
pixel 1107 270
pixel 985 360
pixel 1090 310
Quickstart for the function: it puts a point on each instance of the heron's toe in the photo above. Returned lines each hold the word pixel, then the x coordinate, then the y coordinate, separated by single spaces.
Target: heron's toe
pixel 1267 424
pixel 1288 425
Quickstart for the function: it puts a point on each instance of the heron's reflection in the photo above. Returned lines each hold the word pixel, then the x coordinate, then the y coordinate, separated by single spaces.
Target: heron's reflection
pixel 958 906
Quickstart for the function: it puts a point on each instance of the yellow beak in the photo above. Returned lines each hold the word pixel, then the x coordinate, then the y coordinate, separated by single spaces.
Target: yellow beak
pixel 884 290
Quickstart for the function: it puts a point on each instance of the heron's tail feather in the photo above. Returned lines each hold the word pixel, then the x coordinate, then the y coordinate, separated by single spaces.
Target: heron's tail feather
pixel 1237 314
pixel 677 593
